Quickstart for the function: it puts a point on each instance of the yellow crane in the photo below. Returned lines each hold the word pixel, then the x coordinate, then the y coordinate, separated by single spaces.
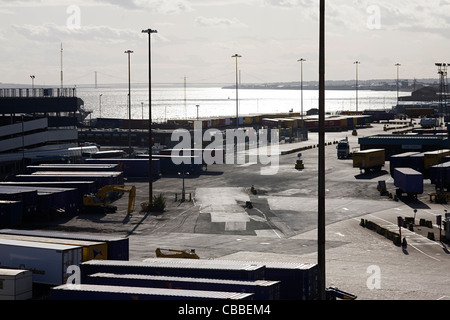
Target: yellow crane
pixel 183 254
pixel 106 195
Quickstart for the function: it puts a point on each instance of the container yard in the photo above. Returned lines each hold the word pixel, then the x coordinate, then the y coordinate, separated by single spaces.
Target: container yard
pixel 266 257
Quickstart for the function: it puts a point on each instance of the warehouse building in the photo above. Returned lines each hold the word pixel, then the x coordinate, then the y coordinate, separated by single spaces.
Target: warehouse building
pixel 397 144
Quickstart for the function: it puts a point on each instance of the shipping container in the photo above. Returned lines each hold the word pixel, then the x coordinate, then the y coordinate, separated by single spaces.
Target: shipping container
pixel 298 280
pixel 416 162
pixel 47 261
pixel 101 179
pixel 74 167
pixel 169 164
pixel 440 175
pixel 186 269
pixel 133 168
pixel 433 158
pixel 95 292
pixel 10 213
pixel 108 154
pixel 91 250
pixel 50 200
pixel 408 181
pixel 117 247
pixel 400 161
pixel 29 199
pixel 83 187
pixel 367 160
pixel 262 289
pixel 16 284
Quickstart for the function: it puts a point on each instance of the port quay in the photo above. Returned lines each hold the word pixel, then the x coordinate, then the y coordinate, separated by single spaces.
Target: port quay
pixel 222 219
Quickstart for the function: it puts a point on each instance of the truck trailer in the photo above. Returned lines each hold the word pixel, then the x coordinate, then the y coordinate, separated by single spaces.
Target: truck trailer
pixel 369 160
pixel 408 181
pixel 47 261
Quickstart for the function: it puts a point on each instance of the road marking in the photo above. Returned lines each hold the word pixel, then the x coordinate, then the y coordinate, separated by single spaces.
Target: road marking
pixel 417 236
pixel 268 221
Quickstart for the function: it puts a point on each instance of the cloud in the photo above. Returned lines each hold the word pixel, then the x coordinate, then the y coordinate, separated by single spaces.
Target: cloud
pixel 155 6
pixel 290 3
pixel 50 32
pixel 218 22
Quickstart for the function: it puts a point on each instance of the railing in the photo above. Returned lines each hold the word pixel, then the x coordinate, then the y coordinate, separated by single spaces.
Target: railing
pixel 37 92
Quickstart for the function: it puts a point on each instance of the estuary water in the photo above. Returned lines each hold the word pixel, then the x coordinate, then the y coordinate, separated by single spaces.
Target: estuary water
pixel 169 102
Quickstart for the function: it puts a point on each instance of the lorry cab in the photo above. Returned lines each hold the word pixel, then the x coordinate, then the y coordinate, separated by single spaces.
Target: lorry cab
pixel 343 149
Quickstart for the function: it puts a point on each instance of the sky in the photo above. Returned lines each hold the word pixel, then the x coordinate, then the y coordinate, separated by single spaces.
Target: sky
pixel 196 40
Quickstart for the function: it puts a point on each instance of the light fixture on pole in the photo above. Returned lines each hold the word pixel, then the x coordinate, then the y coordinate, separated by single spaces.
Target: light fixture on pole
pixel 357 63
pixel 32 81
pixel 150 171
pixel 237 91
pixel 129 52
pixel 321 233
pixel 301 85
pixel 398 65
pixel 197 110
pixel 100 104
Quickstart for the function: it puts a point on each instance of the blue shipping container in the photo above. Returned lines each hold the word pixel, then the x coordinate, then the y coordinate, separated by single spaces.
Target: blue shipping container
pixel 10 213
pixel 262 289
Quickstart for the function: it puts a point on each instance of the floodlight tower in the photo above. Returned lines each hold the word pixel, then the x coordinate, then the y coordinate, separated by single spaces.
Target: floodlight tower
pixel 442 71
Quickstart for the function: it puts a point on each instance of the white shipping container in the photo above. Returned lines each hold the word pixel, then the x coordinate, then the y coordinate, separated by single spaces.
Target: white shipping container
pixel 47 261
pixel 16 284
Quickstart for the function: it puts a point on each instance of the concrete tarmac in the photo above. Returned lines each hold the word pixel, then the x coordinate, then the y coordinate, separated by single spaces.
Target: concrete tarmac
pixel 282 223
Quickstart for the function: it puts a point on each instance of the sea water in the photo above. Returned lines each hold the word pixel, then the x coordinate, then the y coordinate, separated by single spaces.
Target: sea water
pixel 172 102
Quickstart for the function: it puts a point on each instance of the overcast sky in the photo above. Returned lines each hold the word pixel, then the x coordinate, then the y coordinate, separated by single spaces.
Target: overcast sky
pixel 196 39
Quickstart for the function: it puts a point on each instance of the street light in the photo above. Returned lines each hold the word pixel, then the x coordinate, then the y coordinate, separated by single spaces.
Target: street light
pixel 357 63
pixel 398 65
pixel 237 90
pixel 129 102
pixel 100 104
pixel 301 62
pixel 197 110
pixel 32 81
pixel 321 233
pixel 150 173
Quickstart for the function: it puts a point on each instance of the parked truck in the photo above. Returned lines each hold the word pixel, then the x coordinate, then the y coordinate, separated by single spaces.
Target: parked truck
pixel 343 149
pixel 408 181
pixel 369 160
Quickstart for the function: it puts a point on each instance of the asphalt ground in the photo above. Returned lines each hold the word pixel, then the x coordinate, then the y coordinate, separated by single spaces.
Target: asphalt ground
pixel 282 223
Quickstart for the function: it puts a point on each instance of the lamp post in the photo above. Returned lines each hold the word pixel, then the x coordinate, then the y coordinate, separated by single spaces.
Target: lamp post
pixel 100 104
pixel 321 235
pixel 32 81
pixel 301 85
pixel 357 63
pixel 150 173
pixel 32 84
pixel 129 52
pixel 237 91
pixel 398 65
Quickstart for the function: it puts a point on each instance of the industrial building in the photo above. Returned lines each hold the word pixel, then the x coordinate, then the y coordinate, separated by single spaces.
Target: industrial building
pixel 36 123
pixel 397 144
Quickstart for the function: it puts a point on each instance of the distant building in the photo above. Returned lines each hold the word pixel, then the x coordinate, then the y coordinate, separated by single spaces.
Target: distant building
pixel 36 123
pixel 427 94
